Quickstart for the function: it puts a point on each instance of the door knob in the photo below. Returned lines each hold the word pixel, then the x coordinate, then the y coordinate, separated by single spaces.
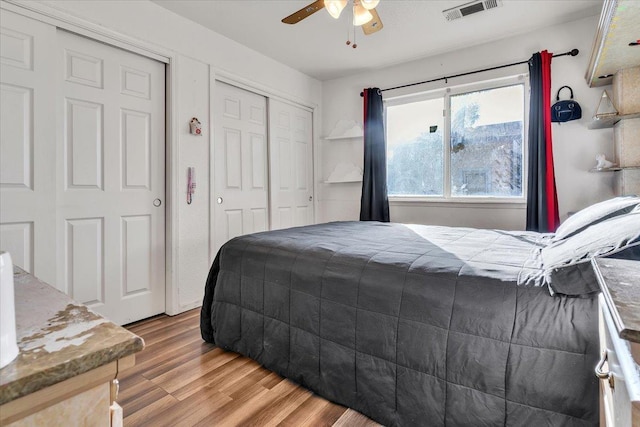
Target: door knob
pixel 157 203
pixel 310 198
pixel 220 200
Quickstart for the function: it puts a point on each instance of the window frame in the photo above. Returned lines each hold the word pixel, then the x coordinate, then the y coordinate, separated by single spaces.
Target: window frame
pixel 447 93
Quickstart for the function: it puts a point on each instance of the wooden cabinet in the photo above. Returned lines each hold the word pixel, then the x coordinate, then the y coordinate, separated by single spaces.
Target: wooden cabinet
pixel 613 47
pixel 619 328
pixel 68 360
pixel 87 399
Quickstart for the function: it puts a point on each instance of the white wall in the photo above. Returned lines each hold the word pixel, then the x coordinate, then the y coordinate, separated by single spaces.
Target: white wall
pixel 200 55
pixel 193 227
pixel 144 20
pixel 575 147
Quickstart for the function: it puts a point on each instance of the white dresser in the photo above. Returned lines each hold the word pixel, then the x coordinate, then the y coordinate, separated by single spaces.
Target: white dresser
pixel 619 323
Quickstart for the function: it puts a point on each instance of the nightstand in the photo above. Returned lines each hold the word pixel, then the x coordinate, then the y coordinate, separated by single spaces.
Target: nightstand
pixel 619 329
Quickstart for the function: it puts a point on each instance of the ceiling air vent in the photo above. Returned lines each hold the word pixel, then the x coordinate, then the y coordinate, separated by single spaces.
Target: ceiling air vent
pixel 470 8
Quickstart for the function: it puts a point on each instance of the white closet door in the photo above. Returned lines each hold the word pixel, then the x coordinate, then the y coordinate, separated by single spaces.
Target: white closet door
pixel 240 163
pixel 27 144
pixel 291 165
pixel 110 188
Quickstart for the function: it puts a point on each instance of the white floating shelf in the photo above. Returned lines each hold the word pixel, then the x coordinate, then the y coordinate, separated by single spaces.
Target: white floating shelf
pixel 346 129
pixel 614 169
pixel 333 138
pixel 608 120
pixel 343 182
pixel 611 169
pixel 345 172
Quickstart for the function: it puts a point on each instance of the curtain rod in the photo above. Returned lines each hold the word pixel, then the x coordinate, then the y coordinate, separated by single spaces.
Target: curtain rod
pixel 572 52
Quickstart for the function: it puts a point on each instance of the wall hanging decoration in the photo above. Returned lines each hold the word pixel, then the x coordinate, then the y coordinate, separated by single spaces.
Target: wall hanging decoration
pixel 603 163
pixel 605 106
pixel 195 126
pixel 565 110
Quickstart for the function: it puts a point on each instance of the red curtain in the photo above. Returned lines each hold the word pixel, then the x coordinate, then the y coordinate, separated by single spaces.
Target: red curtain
pixel 542 199
pixel 553 217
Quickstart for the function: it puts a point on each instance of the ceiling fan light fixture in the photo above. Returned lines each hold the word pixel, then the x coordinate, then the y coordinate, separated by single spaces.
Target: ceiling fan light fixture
pixel 335 7
pixel 361 15
pixel 369 4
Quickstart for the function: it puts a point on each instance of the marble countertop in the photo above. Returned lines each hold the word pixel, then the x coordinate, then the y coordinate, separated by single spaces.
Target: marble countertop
pixel 58 339
pixel 620 283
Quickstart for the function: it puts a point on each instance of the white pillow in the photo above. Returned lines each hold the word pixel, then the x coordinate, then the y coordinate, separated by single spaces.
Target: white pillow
pixel 594 214
pixel 601 239
pixel 556 262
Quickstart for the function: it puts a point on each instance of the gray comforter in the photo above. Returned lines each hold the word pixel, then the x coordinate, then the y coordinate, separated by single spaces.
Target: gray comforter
pixel 410 325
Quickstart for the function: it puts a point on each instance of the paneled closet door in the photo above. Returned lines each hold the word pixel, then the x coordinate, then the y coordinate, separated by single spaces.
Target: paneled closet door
pixel 27 144
pixel 111 179
pixel 291 165
pixel 240 163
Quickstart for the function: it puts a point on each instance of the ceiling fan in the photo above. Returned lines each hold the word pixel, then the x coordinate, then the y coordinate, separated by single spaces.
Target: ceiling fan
pixel 364 13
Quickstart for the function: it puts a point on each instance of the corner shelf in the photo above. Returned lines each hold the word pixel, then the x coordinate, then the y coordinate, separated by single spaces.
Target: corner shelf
pixel 607 121
pixel 345 129
pixel 334 138
pixel 345 171
pixel 614 169
pixel 343 182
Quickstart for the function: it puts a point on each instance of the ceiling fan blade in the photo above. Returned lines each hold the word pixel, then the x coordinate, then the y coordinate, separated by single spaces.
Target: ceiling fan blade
pixel 374 25
pixel 305 12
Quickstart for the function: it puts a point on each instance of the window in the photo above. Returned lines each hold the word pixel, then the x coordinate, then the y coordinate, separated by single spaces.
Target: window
pixel 461 144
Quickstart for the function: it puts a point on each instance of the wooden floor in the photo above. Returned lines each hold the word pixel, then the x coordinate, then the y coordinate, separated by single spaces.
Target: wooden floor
pixel 180 380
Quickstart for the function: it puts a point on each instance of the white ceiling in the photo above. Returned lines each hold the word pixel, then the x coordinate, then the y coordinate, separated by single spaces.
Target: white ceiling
pixel 412 29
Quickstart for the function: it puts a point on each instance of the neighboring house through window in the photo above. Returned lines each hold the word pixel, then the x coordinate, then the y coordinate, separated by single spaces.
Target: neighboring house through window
pixel 465 142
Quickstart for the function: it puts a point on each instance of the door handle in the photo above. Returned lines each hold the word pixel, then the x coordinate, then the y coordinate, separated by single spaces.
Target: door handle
pixel 157 203
pixel 219 200
pixel 310 198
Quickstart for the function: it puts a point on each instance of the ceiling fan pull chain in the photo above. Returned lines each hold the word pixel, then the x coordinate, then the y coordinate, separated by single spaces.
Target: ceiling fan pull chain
pixel 353 17
pixel 355 45
pixel 349 29
pixel 349 35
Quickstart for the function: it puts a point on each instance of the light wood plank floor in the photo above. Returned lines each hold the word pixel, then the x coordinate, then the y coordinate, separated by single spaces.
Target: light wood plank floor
pixel 180 380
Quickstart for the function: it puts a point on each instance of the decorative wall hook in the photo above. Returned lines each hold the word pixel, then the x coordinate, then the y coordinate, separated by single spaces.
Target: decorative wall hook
pixel 195 126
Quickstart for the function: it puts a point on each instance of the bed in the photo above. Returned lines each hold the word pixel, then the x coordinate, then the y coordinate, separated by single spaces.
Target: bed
pixel 411 324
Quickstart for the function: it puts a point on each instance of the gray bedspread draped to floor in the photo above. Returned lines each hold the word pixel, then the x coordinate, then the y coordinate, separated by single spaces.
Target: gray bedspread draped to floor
pixel 410 325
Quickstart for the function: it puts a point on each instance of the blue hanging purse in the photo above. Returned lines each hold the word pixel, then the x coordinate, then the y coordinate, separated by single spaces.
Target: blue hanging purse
pixel 565 110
